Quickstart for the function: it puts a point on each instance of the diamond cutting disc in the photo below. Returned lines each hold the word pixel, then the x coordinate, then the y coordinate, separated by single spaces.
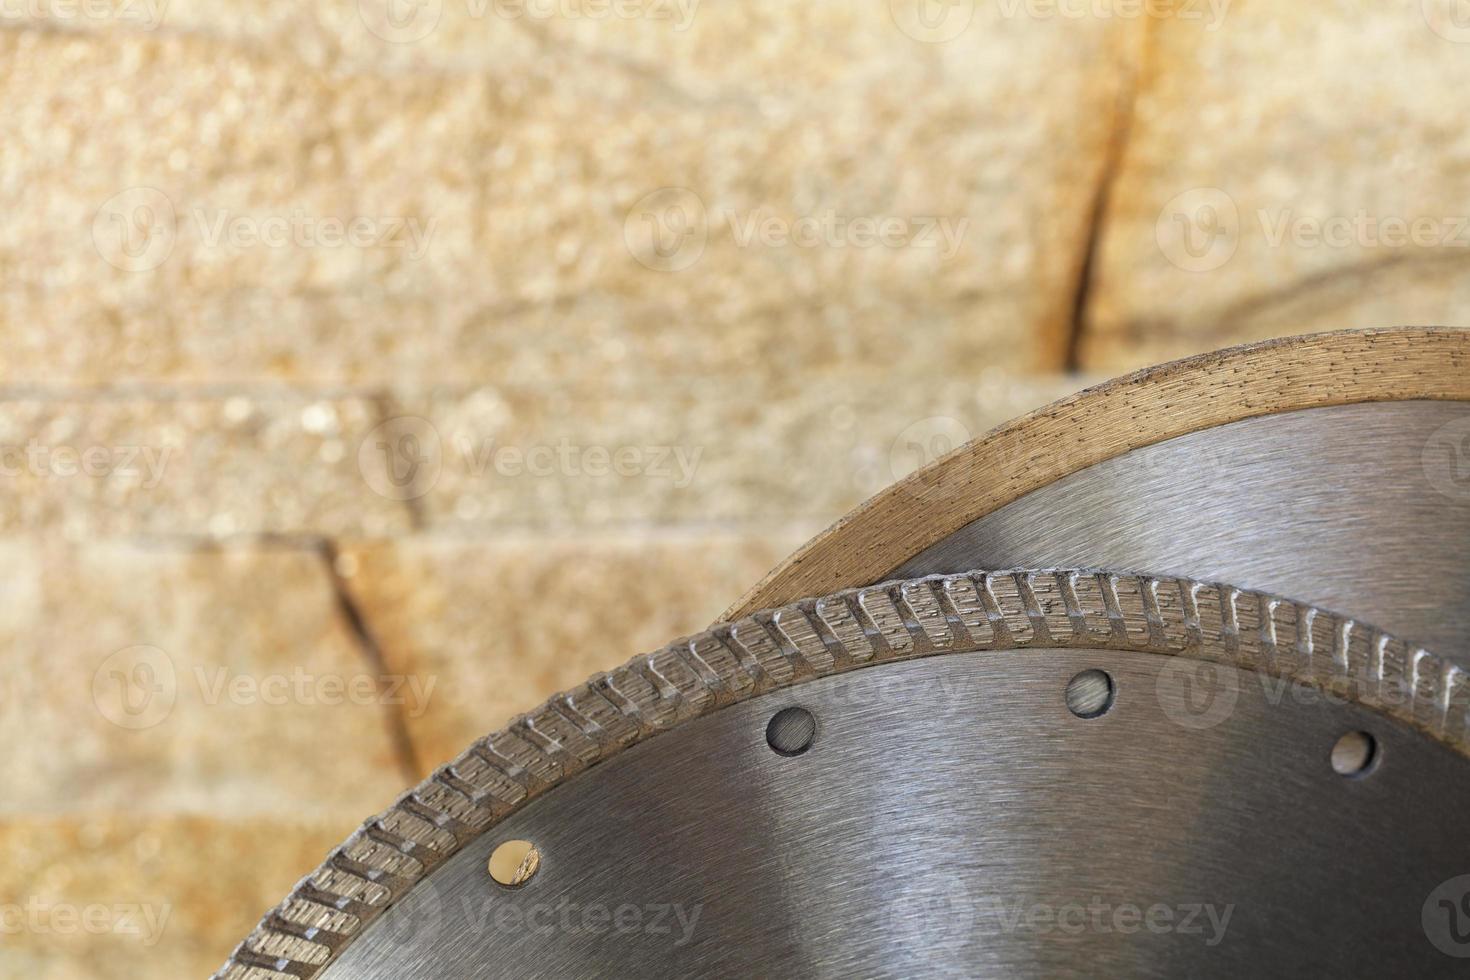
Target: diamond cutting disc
pixel 988 774
pixel 1333 468
pixel 1035 772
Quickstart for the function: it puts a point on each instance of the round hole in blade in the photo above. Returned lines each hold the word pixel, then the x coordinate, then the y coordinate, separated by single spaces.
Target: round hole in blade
pixel 791 731
pixel 1090 693
pixel 514 862
pixel 1354 754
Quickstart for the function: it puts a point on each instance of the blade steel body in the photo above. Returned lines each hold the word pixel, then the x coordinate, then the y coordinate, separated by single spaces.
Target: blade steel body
pixel 981 780
pixel 1356 508
pixel 954 819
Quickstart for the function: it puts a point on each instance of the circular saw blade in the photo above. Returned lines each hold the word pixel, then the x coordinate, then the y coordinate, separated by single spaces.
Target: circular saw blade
pixel 919 776
pixel 947 757
pixel 1331 467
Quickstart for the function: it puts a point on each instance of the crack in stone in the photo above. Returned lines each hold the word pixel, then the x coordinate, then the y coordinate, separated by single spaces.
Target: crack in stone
pixel 372 651
pixel 1112 166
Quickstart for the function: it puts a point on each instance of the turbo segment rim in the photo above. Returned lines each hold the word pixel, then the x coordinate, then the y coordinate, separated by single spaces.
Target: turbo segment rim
pixel 895 622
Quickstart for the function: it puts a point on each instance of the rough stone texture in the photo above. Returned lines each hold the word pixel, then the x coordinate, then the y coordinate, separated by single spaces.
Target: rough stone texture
pixel 1311 116
pixel 506 622
pixel 530 171
pixel 698 452
pixel 181 465
pixel 164 896
pixel 72 622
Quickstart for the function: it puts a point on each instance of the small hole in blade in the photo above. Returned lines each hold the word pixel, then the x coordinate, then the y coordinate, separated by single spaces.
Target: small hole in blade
pixel 1090 693
pixel 1354 754
pixel 514 862
pixel 791 731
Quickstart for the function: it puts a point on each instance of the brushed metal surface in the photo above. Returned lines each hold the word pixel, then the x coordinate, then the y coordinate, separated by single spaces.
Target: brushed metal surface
pixel 953 817
pixel 1362 509
pixel 1195 627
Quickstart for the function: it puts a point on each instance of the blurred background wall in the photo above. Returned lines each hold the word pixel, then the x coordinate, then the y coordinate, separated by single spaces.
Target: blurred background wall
pixel 373 368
